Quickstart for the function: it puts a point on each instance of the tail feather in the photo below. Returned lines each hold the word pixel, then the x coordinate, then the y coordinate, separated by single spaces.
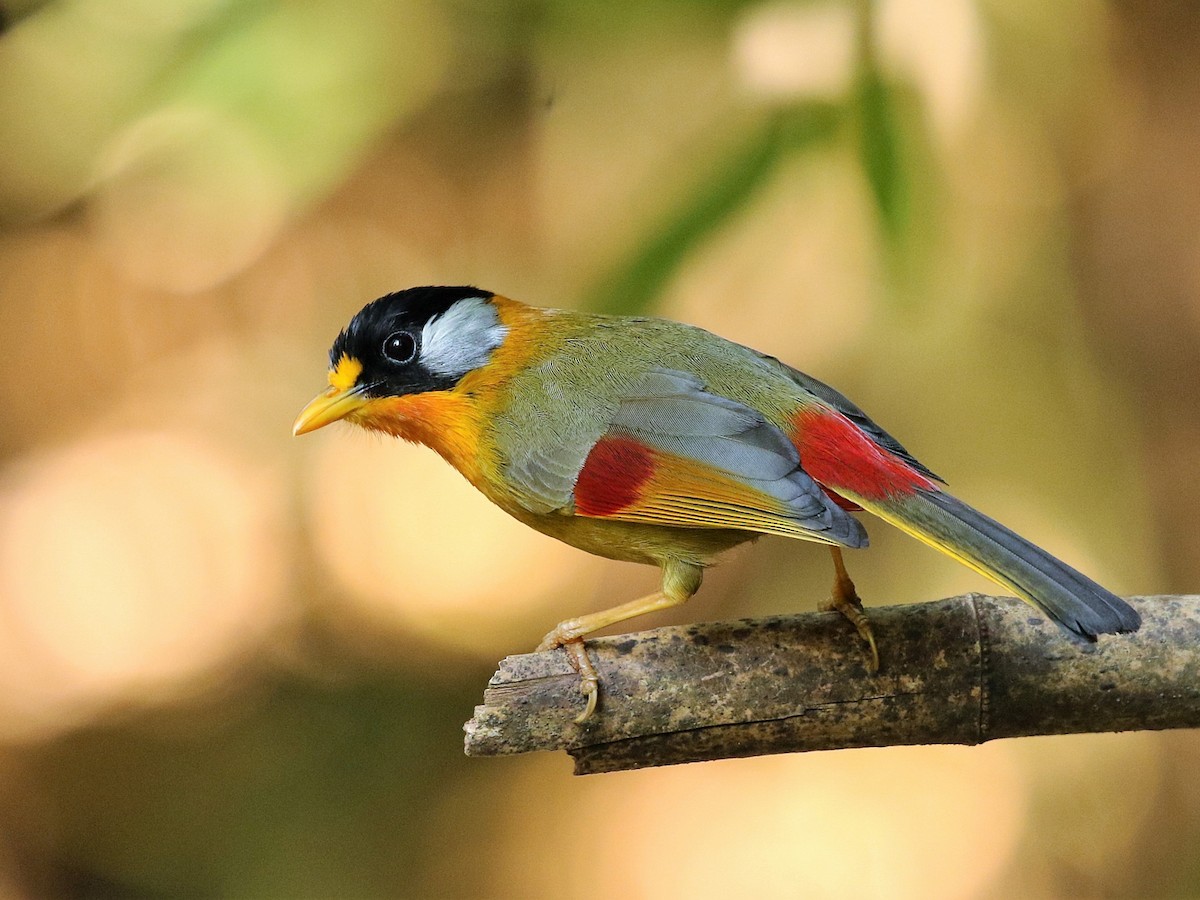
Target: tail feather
pixel 1066 595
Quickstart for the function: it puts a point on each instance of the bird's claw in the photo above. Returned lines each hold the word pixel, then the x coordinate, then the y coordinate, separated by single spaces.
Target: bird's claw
pixel 847 602
pixel 589 678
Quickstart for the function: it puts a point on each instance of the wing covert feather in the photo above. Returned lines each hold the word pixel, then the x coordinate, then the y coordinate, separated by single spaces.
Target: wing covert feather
pixel 672 453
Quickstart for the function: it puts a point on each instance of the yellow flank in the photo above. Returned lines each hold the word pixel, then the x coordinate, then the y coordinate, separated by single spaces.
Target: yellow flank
pixel 646 541
pixel 344 376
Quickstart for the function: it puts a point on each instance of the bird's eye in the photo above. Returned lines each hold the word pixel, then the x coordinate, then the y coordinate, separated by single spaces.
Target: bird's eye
pixel 400 348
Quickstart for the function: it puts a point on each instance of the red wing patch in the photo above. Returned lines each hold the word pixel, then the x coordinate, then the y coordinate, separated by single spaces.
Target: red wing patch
pixel 613 475
pixel 841 457
pixel 628 480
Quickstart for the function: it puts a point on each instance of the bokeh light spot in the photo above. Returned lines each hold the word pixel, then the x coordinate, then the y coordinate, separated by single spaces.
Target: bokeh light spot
pixel 414 544
pixel 188 197
pixel 898 823
pixel 128 563
pixel 796 50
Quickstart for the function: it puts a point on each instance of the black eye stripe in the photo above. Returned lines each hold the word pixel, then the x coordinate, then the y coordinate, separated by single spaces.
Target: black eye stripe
pixel 400 347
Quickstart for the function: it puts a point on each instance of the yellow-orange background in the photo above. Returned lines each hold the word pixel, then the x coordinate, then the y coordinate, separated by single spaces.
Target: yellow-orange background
pixel 233 663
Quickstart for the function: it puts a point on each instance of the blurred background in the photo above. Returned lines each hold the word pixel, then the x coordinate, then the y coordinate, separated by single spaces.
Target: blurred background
pixel 236 664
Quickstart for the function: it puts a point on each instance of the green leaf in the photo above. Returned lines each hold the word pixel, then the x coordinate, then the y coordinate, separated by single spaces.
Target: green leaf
pixel 880 149
pixel 636 283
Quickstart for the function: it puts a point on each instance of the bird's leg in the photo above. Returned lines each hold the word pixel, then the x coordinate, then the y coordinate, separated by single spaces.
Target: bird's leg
pixel 845 600
pixel 680 581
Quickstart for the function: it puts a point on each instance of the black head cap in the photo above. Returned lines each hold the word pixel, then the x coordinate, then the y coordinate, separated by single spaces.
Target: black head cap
pixel 419 339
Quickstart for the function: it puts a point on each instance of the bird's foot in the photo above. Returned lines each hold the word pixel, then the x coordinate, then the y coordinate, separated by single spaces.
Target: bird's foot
pixel 589 678
pixel 845 600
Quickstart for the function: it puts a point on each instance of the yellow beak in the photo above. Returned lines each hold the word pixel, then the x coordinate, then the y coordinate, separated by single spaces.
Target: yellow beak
pixel 330 406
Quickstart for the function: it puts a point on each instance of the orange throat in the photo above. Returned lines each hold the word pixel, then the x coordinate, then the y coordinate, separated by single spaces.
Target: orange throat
pixel 443 421
pixel 455 423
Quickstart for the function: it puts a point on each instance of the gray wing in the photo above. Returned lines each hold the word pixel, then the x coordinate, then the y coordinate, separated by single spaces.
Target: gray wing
pixel 726 466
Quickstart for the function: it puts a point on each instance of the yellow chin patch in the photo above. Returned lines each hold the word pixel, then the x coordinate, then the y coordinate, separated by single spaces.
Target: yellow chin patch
pixel 344 375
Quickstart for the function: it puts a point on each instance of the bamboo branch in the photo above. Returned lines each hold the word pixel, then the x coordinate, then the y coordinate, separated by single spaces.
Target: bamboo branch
pixel 958 671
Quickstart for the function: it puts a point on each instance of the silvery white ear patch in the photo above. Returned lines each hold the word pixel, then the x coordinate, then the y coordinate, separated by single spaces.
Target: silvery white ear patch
pixel 462 338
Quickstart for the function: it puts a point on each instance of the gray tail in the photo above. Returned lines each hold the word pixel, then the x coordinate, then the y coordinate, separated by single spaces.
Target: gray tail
pixel 1066 595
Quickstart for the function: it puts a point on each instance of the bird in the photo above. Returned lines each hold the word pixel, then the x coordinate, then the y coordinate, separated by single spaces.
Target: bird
pixel 653 441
